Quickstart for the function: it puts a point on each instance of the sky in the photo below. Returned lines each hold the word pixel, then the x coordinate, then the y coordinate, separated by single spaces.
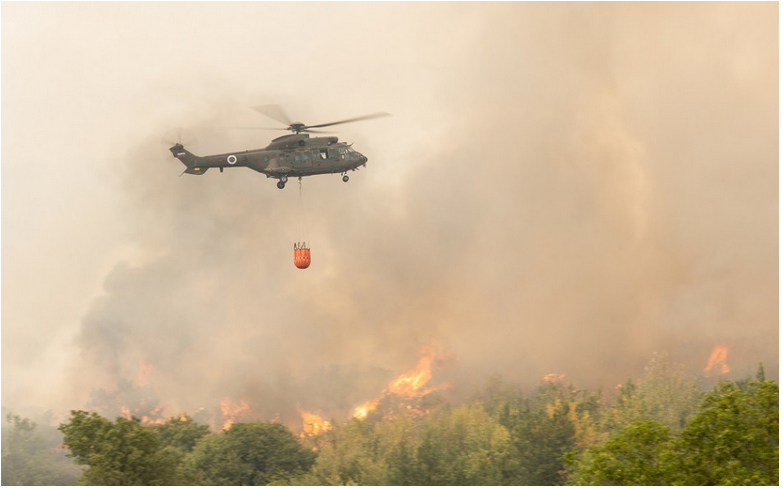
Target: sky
pixel 564 188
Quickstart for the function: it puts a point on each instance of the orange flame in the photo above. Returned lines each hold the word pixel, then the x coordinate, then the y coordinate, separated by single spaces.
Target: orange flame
pixel 148 420
pixel 230 411
pixel 155 412
pixel 312 423
pixel 408 385
pixel 365 408
pixel 718 358
pixel 154 416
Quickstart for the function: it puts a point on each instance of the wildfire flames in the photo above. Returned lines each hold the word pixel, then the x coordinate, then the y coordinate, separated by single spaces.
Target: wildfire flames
pixel 409 385
pixel 412 385
pixel 141 397
pixel 718 359
pixel 154 416
pixel 312 423
pixel 231 410
pixel 365 408
pixel 138 398
pixel 149 419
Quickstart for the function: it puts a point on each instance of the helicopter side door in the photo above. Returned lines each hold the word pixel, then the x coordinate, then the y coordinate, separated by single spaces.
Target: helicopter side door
pixel 302 161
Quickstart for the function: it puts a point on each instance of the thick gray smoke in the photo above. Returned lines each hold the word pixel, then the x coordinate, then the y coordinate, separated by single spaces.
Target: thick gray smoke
pixel 563 188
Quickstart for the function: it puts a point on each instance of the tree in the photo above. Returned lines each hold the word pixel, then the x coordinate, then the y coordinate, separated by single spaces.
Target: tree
pixel 28 459
pixel 256 453
pixel 351 454
pixel 664 394
pixel 180 432
pixel 123 452
pixel 734 438
pixel 540 438
pixel 464 446
pixel 640 454
pixel 731 440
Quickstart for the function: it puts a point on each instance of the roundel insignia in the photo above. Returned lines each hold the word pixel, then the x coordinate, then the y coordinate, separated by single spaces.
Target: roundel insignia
pixel 231 159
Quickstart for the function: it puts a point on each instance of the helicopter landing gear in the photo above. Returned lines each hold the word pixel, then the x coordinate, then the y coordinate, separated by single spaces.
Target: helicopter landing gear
pixel 345 178
pixel 281 184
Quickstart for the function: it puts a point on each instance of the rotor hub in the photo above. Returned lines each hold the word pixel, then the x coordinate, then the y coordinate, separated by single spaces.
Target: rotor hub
pixel 297 127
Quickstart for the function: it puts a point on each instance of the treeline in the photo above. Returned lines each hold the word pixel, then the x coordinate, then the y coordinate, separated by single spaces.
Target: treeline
pixel 663 430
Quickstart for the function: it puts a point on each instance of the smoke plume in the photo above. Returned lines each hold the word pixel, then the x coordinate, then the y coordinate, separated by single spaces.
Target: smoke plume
pixel 563 188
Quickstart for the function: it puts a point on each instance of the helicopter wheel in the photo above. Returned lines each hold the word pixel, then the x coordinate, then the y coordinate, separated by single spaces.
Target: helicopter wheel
pixel 345 178
pixel 284 179
pixel 281 184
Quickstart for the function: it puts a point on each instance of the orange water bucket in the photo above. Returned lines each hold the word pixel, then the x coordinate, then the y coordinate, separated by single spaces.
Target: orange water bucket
pixel 301 256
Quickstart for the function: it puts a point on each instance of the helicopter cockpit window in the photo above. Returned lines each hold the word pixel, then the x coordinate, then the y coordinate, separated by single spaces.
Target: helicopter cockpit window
pixel 332 154
pixel 323 153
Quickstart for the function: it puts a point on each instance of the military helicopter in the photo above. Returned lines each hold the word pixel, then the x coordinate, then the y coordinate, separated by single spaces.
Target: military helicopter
pixel 291 156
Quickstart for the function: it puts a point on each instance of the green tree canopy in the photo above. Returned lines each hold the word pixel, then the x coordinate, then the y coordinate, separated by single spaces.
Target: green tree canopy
pixel 351 454
pixel 734 438
pixel 123 452
pixel 256 453
pixel 731 440
pixel 464 446
pixel 180 432
pixel 640 454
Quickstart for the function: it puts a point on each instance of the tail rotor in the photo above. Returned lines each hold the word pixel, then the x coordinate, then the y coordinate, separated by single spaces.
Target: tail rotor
pixel 178 136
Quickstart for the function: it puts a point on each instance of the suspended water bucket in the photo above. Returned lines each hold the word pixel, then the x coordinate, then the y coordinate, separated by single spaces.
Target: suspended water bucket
pixel 301 255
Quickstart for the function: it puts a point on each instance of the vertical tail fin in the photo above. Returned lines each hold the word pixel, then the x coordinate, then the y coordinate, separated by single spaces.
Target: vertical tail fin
pixel 188 159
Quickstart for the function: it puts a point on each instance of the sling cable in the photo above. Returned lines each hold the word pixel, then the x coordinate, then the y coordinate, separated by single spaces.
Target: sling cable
pixel 301 249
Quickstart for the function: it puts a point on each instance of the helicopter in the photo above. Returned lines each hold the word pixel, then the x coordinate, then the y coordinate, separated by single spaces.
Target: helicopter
pixel 290 156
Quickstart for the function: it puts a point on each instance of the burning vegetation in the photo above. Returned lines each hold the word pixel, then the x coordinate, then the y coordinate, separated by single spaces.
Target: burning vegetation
pixel 555 435
pixel 313 424
pixel 407 393
pixel 138 398
pixel 231 411
pixel 409 387
pixel 717 360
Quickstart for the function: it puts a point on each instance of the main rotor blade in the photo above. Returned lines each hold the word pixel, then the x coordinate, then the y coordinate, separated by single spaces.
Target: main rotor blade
pixel 274 128
pixel 274 112
pixel 355 119
pixel 255 128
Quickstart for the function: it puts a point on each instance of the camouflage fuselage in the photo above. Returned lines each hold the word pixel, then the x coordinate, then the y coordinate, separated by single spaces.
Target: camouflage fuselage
pixel 287 156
